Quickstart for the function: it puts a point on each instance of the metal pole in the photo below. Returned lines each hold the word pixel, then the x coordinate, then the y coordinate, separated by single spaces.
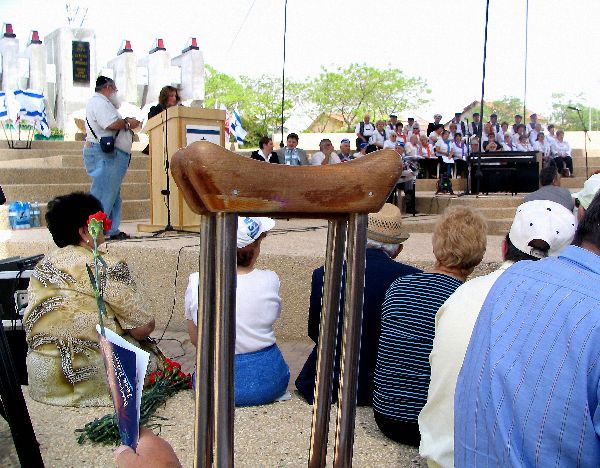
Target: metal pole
pixel 353 307
pixel 336 238
pixel 205 345
pixel 225 284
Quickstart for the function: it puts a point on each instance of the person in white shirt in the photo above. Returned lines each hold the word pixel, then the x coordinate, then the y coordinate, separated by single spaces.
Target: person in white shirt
pixel 523 144
pixel 444 150
pixel 507 144
pixel 533 121
pixel 503 131
pixel 520 131
pixel 533 134
pixel 456 318
pixel 400 132
pixel 411 148
pixel 326 155
pixel 461 153
pixel 261 373
pixel 391 125
pixel 362 151
pixel 364 130
pixel 453 130
pixel 551 136
pixel 562 155
pixel 391 142
pixel 427 158
pixel 461 127
pixel 379 136
pixel 107 165
pixel 518 121
pixel 542 146
pixel 436 134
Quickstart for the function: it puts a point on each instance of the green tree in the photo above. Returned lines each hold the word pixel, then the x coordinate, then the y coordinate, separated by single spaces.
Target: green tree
pixel 506 108
pixel 359 89
pixel 221 88
pixel 568 119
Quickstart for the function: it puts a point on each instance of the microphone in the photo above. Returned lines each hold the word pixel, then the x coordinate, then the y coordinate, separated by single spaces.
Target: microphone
pixel 574 108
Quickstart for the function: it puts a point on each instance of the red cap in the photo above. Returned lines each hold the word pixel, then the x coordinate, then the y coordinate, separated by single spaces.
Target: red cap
pixel 160 44
pixel 194 42
pixel 8 30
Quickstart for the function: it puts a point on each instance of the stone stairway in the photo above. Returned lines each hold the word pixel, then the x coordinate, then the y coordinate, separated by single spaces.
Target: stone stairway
pixel 52 168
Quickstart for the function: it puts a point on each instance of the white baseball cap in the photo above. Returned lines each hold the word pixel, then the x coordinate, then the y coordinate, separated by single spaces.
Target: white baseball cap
pixel 544 220
pixel 250 228
pixel 589 191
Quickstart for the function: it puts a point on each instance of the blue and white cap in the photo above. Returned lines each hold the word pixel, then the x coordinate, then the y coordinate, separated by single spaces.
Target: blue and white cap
pixel 250 228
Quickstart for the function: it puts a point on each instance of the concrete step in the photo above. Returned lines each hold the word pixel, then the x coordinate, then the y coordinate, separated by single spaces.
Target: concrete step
pixel 498 213
pixel 137 161
pixel 428 203
pixel 430 185
pixel 44 193
pixel 424 223
pixel 18 154
pixel 579 152
pixel 573 182
pixel 49 175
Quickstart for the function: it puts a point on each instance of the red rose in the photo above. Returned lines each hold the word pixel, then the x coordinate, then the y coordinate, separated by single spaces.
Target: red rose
pixel 101 217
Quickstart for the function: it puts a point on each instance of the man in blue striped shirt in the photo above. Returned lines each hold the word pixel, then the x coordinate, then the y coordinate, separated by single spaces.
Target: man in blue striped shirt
pixel 528 392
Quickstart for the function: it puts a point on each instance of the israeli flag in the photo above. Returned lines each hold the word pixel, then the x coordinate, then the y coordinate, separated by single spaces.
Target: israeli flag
pixel 236 128
pixel 33 109
pixel 9 106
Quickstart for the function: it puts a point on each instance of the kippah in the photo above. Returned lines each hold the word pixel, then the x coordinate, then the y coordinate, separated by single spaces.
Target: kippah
pixel 102 80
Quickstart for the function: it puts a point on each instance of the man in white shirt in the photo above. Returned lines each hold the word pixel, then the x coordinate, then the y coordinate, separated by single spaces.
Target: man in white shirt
pixel 553 229
pixel 533 121
pixel 533 134
pixel 326 155
pixel 518 121
pixel 364 130
pixel 551 137
pixel 391 125
pixel 107 167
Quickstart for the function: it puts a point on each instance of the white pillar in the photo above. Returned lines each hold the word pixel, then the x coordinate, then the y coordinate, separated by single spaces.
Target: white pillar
pixel 191 62
pixel 124 67
pixel 65 50
pixel 9 51
pixel 158 63
pixel 36 54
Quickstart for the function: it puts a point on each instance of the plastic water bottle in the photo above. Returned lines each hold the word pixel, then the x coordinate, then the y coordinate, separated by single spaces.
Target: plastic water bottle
pixel 12 215
pixel 35 215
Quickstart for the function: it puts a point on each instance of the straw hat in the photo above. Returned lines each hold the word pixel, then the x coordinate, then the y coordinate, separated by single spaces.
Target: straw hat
pixel 386 225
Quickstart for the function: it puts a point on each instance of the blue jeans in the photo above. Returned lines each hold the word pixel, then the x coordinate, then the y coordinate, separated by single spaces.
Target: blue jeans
pixel 260 377
pixel 107 171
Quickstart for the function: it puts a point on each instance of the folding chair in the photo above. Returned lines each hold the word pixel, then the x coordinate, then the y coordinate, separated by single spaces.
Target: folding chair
pixel 220 185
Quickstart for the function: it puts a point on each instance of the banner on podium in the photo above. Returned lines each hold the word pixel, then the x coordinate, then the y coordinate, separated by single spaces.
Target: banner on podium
pixel 203 132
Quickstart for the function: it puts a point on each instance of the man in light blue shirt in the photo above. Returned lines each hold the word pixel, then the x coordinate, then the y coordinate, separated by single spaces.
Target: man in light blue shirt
pixel 528 392
pixel 291 154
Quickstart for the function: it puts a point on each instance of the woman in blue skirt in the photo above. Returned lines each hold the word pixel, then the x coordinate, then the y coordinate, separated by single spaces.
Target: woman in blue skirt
pixel 261 373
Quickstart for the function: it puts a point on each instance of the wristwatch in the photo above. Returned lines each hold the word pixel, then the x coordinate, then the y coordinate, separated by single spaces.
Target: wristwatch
pixel 126 123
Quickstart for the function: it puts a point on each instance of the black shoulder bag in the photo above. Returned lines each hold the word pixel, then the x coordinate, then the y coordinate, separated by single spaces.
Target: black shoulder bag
pixel 107 143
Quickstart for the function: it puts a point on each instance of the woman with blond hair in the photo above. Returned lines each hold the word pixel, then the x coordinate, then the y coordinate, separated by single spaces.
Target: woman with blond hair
pixel 408 323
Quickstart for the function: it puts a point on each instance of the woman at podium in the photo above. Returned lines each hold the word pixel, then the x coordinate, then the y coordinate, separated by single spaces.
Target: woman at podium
pixel 168 97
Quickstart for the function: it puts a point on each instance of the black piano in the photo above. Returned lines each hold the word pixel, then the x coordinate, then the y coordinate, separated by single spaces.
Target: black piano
pixel 504 171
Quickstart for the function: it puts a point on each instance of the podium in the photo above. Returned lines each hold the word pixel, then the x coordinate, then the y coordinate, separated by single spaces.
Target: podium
pixel 169 131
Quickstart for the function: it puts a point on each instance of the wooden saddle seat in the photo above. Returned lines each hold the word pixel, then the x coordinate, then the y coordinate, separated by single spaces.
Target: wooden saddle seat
pixel 214 179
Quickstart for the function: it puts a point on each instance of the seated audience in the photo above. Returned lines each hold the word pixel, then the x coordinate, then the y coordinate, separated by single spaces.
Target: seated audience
pixel 527 392
pixel 364 130
pixel 551 190
pixel 523 144
pixel 362 151
pixel 345 155
pixel 411 149
pixel 379 136
pixel 508 144
pixel 326 155
pixel 444 150
pixel 291 154
pixel 64 364
pixel 461 153
pixel 261 373
pixel 407 323
pixel 455 320
pixel 400 132
pixel 385 237
pixel 562 155
pixel 265 151
pixel 391 142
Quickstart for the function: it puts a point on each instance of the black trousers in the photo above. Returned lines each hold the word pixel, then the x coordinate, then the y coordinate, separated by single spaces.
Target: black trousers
pixel 400 431
pixel 561 163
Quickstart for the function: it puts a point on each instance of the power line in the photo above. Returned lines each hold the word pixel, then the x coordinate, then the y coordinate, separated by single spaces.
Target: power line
pixel 241 26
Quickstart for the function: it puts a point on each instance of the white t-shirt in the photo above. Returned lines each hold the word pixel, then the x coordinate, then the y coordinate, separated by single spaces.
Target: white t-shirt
pixel 368 129
pixel 101 113
pixel 377 139
pixel 257 306
pixel 318 157
pixel 390 144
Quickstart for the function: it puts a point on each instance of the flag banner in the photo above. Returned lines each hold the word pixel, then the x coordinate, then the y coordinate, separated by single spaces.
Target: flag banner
pixel 32 108
pixel 203 132
pixel 125 366
pixel 236 128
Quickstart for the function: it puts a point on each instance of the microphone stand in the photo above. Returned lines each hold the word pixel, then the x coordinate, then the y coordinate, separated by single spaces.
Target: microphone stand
pixel 167 191
pixel 585 140
pixel 468 135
